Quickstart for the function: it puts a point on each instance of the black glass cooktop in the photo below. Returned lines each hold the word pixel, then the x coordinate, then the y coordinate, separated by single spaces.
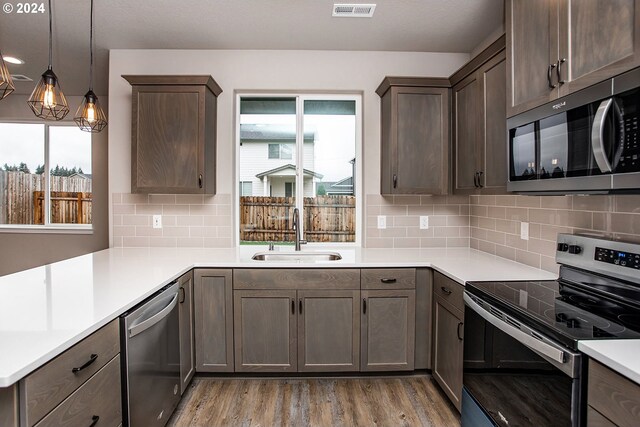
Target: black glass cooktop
pixel 567 311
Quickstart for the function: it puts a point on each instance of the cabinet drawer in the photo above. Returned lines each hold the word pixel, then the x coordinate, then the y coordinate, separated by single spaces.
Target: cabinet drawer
pixel 613 395
pixel 284 278
pixel 388 278
pixel 98 397
pixel 449 291
pixel 45 388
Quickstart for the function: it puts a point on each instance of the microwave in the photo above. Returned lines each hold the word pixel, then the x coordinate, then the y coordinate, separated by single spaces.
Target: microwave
pixel 587 142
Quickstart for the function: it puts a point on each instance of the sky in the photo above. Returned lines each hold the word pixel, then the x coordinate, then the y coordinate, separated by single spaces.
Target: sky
pixel 68 146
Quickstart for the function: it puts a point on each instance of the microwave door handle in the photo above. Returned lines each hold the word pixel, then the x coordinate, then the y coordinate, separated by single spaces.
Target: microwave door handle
pixel 515 333
pixel 597 136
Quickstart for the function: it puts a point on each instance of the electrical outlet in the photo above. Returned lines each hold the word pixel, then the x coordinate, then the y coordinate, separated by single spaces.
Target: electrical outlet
pixel 157 221
pixel 424 222
pixel 524 230
pixel 382 221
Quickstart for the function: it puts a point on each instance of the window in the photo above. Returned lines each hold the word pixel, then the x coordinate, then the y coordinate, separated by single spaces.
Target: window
pixel 298 151
pixel 246 188
pixel 36 190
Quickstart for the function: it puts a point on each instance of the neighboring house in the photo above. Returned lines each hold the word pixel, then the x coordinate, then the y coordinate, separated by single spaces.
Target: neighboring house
pixel 344 187
pixel 267 158
pixel 81 175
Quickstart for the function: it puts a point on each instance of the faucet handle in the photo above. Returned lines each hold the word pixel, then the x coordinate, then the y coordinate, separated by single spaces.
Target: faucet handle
pixel 271 246
pixel 303 242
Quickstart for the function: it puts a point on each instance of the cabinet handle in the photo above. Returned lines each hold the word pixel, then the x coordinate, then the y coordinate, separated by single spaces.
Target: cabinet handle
pixel 184 295
pixel 480 174
pixel 458 331
pixel 300 306
pixel 445 290
pixel 390 280
pixel 89 362
pixel 549 69
pixel 364 306
pixel 200 181
pixel 395 180
pixel 94 420
pixel 559 72
pixel 475 179
pixel 293 307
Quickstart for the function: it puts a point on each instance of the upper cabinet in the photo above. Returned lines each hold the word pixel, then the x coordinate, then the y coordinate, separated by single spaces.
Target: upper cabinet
pixel 173 134
pixel 479 125
pixel 556 47
pixel 414 135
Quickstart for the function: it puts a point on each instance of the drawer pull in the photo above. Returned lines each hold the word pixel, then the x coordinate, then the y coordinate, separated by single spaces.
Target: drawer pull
pixel 94 420
pixel 446 290
pixel 89 362
pixel 388 280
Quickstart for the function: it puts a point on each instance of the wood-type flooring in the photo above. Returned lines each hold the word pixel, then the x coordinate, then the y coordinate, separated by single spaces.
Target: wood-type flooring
pixel 404 401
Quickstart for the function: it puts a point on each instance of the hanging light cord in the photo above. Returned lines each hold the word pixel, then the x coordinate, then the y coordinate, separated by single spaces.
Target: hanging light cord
pixel 50 35
pixel 90 50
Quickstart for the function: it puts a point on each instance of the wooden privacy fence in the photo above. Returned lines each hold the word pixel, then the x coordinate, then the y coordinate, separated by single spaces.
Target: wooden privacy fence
pixel 22 199
pixel 326 219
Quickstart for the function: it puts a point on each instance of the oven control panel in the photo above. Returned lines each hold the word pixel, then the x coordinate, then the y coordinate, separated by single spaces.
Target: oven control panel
pixel 623 259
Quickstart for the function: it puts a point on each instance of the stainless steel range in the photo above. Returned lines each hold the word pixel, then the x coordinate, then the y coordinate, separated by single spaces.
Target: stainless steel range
pixel 522 365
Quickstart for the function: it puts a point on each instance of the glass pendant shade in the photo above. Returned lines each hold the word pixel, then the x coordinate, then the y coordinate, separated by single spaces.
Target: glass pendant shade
pixel 90 117
pixel 6 82
pixel 47 100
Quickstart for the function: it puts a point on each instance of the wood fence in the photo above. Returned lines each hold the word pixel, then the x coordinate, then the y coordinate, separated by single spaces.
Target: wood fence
pixel 326 219
pixel 22 199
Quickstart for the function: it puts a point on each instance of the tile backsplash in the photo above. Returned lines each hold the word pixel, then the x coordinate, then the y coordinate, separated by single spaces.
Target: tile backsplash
pixel 495 223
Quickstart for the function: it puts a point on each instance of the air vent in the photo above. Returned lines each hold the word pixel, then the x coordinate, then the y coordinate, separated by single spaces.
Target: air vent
pixel 353 10
pixel 20 78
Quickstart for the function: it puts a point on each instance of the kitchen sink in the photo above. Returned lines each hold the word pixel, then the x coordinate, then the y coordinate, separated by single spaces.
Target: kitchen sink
pixel 296 256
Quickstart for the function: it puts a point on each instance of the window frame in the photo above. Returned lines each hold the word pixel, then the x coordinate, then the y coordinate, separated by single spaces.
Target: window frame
pixel 301 97
pixel 48 227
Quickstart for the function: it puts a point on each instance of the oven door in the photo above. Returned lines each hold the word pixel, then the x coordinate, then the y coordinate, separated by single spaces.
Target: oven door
pixel 514 376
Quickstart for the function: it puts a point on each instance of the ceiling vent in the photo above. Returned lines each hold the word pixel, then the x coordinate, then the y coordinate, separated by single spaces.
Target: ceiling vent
pixel 353 10
pixel 20 78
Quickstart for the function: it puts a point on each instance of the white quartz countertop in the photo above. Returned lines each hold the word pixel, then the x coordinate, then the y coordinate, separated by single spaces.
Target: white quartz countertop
pixel 619 355
pixel 48 309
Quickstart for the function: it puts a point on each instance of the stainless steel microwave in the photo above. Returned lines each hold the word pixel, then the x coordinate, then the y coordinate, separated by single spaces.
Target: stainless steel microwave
pixel 587 142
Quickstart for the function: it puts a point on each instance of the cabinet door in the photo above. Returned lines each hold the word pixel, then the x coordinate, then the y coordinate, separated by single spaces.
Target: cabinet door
pixel 187 344
pixel 388 330
pixel 265 331
pixel 328 330
pixel 448 348
pixel 213 309
pixel 598 39
pixel 532 43
pixel 466 106
pixel 493 126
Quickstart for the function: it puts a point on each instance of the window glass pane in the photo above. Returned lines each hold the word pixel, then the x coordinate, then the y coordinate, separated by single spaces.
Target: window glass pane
pixel 21 177
pixel 267 161
pixel 329 171
pixel 70 181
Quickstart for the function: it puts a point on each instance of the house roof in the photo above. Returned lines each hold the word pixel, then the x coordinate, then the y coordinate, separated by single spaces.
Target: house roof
pixel 261 133
pixel 81 175
pixel 282 168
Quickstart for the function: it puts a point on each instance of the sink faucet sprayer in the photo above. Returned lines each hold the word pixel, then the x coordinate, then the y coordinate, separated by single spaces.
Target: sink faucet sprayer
pixel 296 228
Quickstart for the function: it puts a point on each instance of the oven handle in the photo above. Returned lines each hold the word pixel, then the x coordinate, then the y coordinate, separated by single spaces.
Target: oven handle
pixel 597 136
pixel 515 333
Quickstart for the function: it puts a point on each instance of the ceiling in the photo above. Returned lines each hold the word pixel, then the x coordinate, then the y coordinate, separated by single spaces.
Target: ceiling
pixel 397 25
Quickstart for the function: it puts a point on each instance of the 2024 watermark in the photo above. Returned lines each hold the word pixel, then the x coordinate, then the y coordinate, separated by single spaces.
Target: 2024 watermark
pixel 23 8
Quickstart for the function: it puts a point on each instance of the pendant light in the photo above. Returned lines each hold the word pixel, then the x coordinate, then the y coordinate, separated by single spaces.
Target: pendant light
pixel 90 117
pixel 6 82
pixel 47 100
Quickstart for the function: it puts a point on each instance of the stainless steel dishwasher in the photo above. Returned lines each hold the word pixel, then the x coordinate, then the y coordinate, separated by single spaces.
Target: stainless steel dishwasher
pixel 151 359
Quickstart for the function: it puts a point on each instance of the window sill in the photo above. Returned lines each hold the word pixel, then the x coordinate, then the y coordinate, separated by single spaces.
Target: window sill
pixel 50 229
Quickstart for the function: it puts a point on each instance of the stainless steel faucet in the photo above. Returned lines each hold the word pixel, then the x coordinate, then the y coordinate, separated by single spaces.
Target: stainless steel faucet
pixel 296 228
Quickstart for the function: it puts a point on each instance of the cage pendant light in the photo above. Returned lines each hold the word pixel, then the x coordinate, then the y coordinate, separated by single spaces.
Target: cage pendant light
pixel 90 116
pixel 47 100
pixel 6 82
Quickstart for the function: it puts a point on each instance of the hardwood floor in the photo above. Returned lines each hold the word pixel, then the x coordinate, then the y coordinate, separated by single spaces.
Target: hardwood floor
pixel 406 401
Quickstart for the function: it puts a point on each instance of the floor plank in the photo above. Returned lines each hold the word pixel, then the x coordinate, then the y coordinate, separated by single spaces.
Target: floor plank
pixel 264 402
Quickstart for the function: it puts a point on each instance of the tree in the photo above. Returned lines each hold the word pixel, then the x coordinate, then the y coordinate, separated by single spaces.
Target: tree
pixel 39 169
pixel 8 168
pixel 23 168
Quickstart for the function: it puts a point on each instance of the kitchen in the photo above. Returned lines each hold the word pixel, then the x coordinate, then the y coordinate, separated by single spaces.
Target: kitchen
pixel 473 234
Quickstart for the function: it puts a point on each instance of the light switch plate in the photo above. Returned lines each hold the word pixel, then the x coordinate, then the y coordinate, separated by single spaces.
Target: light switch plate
pixel 424 222
pixel 524 230
pixel 382 221
pixel 157 221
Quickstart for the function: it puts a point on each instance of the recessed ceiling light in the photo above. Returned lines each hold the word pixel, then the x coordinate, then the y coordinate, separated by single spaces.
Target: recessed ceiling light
pixel 13 60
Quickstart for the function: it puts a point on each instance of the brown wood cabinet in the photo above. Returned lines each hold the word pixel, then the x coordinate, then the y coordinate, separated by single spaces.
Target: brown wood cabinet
pixel 414 135
pixel 9 409
pixel 613 399
pixel 557 47
pixel 173 134
pixel 479 124
pixel 448 325
pixel 187 341
pixel 213 313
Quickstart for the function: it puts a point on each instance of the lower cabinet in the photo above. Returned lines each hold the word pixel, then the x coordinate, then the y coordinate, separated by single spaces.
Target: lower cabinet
pixel 613 399
pixel 187 344
pixel 213 315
